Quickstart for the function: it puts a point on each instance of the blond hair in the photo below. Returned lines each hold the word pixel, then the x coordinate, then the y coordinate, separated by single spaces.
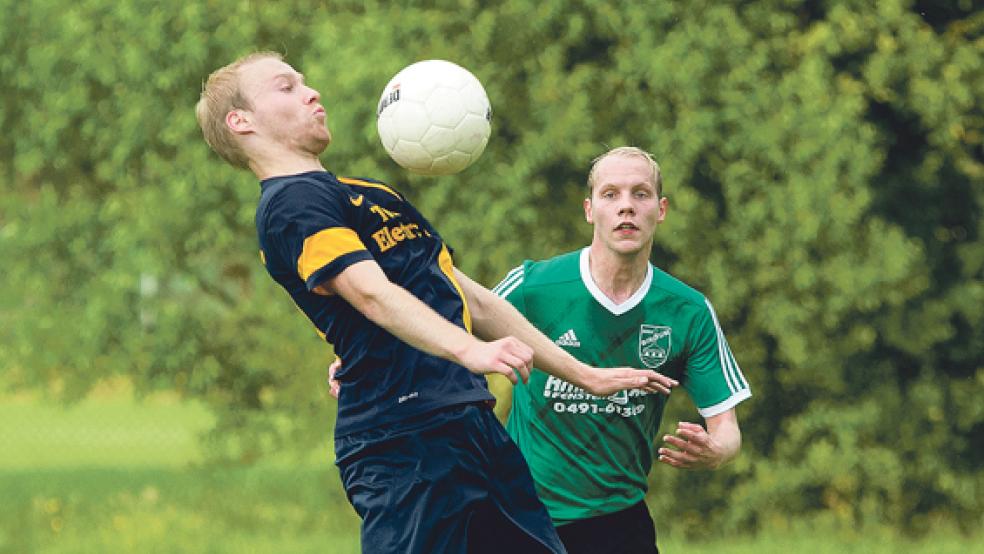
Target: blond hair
pixel 628 152
pixel 222 93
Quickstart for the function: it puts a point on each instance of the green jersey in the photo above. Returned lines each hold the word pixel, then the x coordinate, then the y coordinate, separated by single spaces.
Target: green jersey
pixel 589 455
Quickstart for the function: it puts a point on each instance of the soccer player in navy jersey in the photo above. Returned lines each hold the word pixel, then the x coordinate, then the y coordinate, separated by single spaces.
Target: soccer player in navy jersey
pixel 423 460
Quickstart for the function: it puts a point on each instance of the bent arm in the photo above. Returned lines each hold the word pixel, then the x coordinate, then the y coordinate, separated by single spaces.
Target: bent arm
pixel 493 317
pixel 367 289
pixel 725 433
pixel 695 448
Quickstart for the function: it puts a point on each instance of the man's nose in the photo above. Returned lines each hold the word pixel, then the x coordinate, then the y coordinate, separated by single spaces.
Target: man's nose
pixel 313 95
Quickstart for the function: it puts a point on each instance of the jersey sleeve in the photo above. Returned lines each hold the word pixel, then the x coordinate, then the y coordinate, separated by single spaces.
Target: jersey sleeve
pixel 714 380
pixel 511 287
pixel 311 231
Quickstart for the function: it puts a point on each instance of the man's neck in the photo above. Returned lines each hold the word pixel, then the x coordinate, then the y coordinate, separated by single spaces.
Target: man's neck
pixel 618 276
pixel 277 164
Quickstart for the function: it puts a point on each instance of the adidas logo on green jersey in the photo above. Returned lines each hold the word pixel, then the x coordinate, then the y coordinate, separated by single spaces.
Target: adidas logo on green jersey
pixel 568 339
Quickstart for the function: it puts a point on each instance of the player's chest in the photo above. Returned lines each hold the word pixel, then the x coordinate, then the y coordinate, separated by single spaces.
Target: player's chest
pixel 386 227
pixel 643 338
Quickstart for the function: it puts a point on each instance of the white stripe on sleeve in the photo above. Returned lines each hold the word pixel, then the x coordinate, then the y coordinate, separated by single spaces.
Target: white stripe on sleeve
pixel 732 373
pixel 509 282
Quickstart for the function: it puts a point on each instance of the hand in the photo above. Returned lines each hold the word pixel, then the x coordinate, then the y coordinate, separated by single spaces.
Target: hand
pixel 693 448
pixel 334 387
pixel 506 356
pixel 605 382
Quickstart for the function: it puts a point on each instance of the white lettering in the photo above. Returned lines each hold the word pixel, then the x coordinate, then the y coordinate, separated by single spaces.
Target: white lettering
pixel 406 397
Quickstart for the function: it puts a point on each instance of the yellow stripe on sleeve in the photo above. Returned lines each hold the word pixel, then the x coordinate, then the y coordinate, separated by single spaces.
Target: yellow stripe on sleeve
pixel 324 247
pixel 447 267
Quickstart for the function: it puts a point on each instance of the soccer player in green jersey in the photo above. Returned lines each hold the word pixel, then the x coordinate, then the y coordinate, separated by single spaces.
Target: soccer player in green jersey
pixel 608 306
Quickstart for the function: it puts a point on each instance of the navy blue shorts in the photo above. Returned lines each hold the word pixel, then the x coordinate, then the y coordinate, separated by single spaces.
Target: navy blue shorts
pixel 447 482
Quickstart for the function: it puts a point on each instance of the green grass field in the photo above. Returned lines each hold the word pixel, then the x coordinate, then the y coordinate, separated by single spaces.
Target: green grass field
pixel 114 475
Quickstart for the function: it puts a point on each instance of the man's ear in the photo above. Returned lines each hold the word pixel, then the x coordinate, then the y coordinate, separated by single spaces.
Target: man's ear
pixel 239 122
pixel 587 211
pixel 664 204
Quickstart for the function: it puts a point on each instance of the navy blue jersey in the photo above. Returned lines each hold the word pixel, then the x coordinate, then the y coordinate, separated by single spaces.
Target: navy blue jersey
pixel 311 227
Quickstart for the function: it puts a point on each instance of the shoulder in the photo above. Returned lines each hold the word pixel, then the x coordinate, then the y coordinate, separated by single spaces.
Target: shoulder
pixel 365 184
pixel 307 199
pixel 542 272
pixel 303 186
pixel 295 191
pixel 689 304
pixel 559 269
pixel 669 287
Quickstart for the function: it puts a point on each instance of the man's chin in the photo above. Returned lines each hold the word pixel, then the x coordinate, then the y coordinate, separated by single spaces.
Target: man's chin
pixel 628 248
pixel 321 144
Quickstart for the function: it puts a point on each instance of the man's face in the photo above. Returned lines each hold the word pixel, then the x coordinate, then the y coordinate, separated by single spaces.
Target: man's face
pixel 284 109
pixel 624 207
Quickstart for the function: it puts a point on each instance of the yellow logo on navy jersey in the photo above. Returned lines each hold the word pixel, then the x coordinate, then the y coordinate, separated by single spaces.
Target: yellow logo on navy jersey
pixel 395 233
pixel 388 237
pixel 383 213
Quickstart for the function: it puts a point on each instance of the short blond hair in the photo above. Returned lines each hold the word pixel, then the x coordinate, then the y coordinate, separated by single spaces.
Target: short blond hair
pixel 222 93
pixel 628 152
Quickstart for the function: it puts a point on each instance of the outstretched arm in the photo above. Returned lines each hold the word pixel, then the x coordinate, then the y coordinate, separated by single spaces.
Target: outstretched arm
pixel 695 448
pixel 366 287
pixel 494 317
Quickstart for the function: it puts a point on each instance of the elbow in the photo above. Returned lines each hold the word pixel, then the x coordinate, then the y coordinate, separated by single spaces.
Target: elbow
pixel 478 301
pixel 490 317
pixel 479 310
pixel 735 447
pixel 480 307
pixel 736 440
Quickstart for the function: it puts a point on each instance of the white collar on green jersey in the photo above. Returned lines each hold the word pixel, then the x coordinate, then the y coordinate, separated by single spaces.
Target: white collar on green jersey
pixel 617 309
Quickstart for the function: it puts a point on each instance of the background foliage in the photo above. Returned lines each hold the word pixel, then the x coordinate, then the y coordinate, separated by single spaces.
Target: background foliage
pixel 823 162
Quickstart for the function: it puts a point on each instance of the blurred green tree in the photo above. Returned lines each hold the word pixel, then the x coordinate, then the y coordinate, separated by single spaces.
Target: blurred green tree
pixel 823 163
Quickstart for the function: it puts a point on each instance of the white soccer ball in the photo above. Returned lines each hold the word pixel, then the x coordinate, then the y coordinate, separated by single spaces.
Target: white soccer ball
pixel 434 118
